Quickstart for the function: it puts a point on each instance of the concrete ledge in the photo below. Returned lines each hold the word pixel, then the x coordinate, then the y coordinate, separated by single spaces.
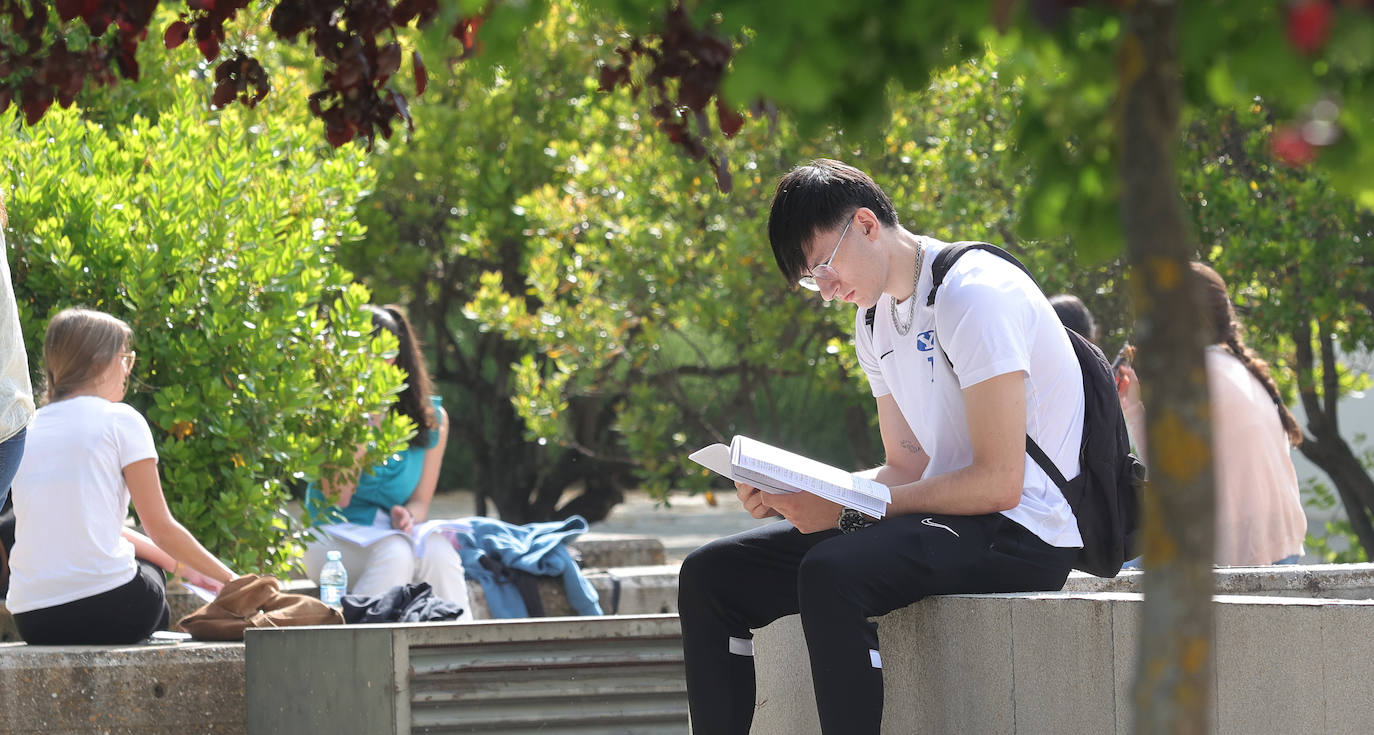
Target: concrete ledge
pixel 1065 662
pixel 152 689
pixel 643 590
pixel 1331 581
pixel 601 550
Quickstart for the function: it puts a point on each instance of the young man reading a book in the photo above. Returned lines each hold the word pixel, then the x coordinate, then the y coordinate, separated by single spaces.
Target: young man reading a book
pixel 959 385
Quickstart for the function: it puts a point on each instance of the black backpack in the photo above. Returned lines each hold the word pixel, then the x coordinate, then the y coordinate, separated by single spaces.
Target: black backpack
pixel 1105 496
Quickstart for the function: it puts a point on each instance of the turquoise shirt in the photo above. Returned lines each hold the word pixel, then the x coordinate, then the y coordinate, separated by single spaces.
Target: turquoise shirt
pixel 381 487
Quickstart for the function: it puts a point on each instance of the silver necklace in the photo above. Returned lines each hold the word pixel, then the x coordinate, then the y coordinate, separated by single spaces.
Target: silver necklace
pixel 903 329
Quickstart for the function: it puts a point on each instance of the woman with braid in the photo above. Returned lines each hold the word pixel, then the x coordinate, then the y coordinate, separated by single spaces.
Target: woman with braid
pixel 1259 511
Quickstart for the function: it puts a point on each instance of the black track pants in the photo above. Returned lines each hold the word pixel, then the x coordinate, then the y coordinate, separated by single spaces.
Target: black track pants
pixel 837 582
pixel 128 613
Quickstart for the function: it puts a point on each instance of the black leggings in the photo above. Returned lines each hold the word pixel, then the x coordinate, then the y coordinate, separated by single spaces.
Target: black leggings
pixel 126 614
pixel 837 582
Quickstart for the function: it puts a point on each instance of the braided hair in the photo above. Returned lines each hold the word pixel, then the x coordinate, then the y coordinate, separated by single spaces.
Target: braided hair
pixel 414 400
pixel 1226 332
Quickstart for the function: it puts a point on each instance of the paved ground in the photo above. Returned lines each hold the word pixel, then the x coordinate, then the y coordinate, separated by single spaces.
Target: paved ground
pixel 682 526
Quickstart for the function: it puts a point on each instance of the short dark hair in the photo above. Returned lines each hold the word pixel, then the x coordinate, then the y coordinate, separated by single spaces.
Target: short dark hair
pixel 816 196
pixel 1075 315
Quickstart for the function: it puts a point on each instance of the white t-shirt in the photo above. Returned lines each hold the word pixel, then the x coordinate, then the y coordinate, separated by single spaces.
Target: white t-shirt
pixel 16 394
pixel 992 320
pixel 70 502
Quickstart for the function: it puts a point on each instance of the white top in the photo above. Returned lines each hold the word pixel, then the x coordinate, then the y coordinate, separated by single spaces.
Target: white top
pixel 1259 509
pixel 70 502
pixel 993 320
pixel 16 393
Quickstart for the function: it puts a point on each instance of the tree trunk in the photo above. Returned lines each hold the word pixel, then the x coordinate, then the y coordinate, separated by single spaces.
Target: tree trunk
pixel 599 496
pixel 1173 674
pixel 1323 444
pixel 1332 454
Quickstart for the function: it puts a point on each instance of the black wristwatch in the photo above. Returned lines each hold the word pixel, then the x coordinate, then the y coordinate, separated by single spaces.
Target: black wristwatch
pixel 852 520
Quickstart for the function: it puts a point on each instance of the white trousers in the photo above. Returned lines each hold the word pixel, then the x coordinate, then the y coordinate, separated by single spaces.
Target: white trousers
pixel 374 569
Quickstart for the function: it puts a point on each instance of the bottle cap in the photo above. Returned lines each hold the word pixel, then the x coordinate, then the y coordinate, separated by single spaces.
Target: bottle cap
pixel 333 555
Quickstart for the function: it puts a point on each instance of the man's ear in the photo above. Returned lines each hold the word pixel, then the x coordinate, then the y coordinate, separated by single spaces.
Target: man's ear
pixel 867 222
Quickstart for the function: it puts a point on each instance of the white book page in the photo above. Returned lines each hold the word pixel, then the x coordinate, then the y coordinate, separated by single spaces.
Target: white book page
pixel 778 479
pixel 198 591
pixel 716 458
pixel 801 472
pixel 369 535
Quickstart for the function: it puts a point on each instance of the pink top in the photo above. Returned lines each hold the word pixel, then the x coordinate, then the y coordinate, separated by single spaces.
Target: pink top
pixel 1259 510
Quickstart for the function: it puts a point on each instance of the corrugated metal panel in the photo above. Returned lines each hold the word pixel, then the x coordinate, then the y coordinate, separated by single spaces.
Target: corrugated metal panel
pixel 603 682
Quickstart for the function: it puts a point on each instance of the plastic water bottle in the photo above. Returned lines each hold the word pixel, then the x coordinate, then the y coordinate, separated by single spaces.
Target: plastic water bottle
pixel 333 579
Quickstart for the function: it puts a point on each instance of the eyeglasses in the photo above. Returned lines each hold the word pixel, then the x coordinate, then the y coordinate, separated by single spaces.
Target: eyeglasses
pixel 128 358
pixel 824 272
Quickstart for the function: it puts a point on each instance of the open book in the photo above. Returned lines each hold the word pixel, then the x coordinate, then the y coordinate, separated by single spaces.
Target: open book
pixel 775 470
pixel 381 528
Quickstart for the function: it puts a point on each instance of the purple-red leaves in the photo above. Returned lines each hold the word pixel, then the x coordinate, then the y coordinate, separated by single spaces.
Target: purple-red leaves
pixel 421 75
pixel 241 77
pixel 696 60
pixel 1308 23
pixel 354 39
pixel 388 61
pixel 730 121
pixel 1289 146
pixel 176 34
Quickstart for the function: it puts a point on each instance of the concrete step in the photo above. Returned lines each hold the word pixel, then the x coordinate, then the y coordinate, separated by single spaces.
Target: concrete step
pixel 638 590
pixel 617 550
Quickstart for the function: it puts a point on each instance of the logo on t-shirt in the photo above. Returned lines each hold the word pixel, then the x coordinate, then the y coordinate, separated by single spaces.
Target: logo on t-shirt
pixel 925 341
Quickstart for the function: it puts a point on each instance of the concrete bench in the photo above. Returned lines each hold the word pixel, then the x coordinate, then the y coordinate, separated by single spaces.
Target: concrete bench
pixel 964 663
pixel 178 689
pixel 557 675
pixel 1331 581
pixel 1064 662
pixel 596 550
pixel 194 687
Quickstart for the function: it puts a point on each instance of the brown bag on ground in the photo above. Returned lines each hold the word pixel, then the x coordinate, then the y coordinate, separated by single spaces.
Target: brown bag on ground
pixel 254 601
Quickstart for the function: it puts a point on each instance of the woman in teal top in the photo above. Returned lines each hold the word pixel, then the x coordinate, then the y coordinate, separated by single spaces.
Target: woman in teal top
pixel 394 495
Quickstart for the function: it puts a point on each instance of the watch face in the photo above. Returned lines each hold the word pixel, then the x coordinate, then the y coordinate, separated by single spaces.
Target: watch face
pixel 851 520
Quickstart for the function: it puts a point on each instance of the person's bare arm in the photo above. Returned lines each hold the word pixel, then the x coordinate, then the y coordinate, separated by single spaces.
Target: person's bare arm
pixel 416 509
pixel 905 462
pixel 996 413
pixel 145 549
pixel 145 488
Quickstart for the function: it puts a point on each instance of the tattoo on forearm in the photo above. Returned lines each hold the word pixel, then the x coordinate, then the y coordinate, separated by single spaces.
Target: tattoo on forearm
pixel 910 446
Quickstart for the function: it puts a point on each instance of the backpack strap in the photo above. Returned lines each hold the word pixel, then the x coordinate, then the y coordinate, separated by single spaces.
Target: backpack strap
pixel 938 270
pixel 945 260
pixel 1046 463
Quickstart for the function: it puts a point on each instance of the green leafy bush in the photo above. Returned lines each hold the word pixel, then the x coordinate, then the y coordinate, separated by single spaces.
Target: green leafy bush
pixel 1336 542
pixel 212 235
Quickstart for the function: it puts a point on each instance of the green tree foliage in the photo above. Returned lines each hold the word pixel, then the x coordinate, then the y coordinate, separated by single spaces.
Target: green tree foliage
pixel 211 235
pixel 586 296
pixel 1296 252
pixel 600 310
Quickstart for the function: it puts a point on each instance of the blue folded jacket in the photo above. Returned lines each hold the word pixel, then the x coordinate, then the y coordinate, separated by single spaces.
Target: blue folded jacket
pixel 535 548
